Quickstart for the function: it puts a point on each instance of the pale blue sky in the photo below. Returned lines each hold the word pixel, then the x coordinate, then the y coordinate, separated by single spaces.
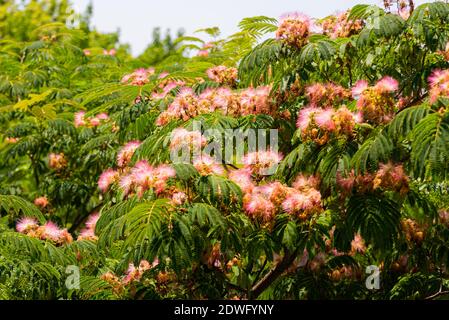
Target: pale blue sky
pixel 136 18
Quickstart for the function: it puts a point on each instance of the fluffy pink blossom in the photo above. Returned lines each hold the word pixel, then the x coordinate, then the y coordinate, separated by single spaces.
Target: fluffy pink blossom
pixel 139 77
pixel 41 202
pixel 305 116
pixel 223 75
pixel 439 84
pixel 294 29
pixel 387 84
pixel 107 178
pixel 126 183
pixel 359 87
pixel 178 198
pixel 26 224
pixel 79 119
pixel 262 162
pixel 358 244
pixel 126 153
pixel 111 52
pixel 258 207
pixel 242 178
pixel 103 116
pixel 303 182
pixel 181 138
pixel 203 53
pixel 94 122
pixel 324 119
pixel 208 166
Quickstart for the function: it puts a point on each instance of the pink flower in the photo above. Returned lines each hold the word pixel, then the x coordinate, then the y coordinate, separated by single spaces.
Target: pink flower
pixel 103 116
pixel 294 29
pixel 87 52
pixel 139 77
pixel 126 183
pixel 26 224
pixel 178 198
pixel 181 138
pixel 258 207
pixel 324 119
pixel 223 75
pixel 165 172
pixel 294 203
pixel 439 84
pixel 92 220
pixel 242 178
pixel 203 53
pixel 57 161
pixel 305 116
pixel 107 178
pixel 207 166
pixel 303 182
pixel 94 122
pixel 262 162
pixel 358 244
pixel 126 153
pixel 359 87
pixel 41 202
pixel 387 84
pixel 79 119
pixel 51 231
pixel 111 52
pixel 163 75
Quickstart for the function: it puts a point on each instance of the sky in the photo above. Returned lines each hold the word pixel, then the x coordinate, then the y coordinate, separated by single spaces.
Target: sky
pixel 137 18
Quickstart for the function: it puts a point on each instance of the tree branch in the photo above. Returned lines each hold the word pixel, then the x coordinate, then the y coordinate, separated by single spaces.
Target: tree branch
pixel 273 274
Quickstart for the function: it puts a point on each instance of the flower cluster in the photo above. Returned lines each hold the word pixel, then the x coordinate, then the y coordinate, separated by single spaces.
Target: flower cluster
pixel 112 52
pixel 403 7
pixel 41 202
pixel 183 139
pixel 327 94
pixel 261 162
pixel 11 140
pixel 139 77
pixel 388 177
pixel 318 125
pixel 48 231
pixel 204 52
pixel 81 121
pixel 223 75
pixel 135 274
pixel 262 202
pixel 88 233
pixel 138 179
pixel 340 26
pixel 376 102
pixel 206 165
pixel 126 153
pixel 439 85
pixel 412 230
pixel 188 105
pixel 165 87
pixel 294 29
pixel 132 274
pixel 391 177
pixel 57 161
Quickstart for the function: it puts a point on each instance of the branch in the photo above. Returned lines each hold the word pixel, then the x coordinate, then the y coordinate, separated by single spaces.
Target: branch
pixel 273 274
pixel 439 293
